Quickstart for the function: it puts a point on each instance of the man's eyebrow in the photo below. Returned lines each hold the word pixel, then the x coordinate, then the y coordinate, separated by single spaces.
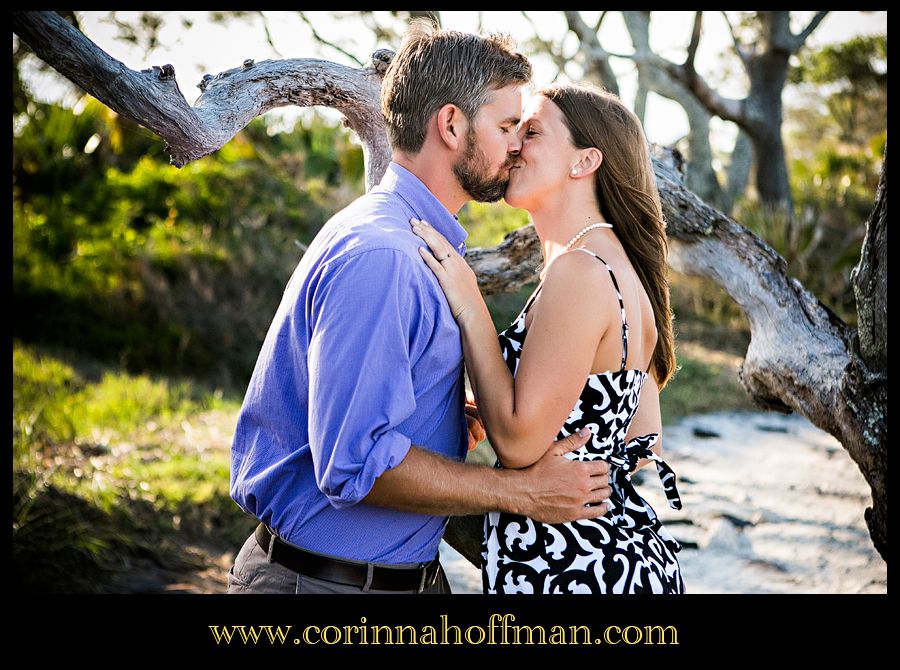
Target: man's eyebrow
pixel 510 120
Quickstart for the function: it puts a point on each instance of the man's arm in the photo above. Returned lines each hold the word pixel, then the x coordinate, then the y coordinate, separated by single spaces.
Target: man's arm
pixel 362 314
pixel 553 490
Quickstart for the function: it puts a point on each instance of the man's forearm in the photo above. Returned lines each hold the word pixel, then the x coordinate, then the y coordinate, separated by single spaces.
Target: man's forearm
pixel 553 490
pixel 427 483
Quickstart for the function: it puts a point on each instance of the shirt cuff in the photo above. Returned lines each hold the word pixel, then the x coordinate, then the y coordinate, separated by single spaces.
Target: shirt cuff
pixel 390 449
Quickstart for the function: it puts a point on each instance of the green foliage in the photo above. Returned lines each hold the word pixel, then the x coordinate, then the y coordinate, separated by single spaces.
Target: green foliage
pixel 505 307
pixel 121 256
pixel 41 414
pixel 704 381
pixel 101 481
pixel 857 62
pixel 488 223
pixel 55 402
pixel 61 543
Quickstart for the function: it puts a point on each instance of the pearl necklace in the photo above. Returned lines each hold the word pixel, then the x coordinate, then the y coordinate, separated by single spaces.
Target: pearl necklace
pixel 586 230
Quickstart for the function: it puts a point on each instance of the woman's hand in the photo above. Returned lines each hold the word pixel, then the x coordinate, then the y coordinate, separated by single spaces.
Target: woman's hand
pixel 455 276
pixel 476 427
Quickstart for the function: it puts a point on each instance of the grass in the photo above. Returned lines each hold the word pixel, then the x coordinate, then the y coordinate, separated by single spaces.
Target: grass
pixel 110 469
pixel 706 380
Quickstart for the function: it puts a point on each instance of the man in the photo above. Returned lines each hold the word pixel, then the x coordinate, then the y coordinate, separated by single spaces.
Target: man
pixel 350 443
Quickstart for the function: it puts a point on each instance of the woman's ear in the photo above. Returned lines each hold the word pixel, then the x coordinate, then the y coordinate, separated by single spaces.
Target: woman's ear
pixel 451 126
pixel 590 160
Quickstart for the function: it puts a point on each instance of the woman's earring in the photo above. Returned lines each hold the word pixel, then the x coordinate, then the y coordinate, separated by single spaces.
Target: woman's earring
pixel 574 172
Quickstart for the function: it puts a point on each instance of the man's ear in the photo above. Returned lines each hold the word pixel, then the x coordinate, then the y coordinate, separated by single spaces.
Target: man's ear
pixel 451 126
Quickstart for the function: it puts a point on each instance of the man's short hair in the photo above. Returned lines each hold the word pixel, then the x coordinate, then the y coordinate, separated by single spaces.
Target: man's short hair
pixel 436 67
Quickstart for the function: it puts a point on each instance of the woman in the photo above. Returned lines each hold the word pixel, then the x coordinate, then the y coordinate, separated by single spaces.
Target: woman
pixel 601 314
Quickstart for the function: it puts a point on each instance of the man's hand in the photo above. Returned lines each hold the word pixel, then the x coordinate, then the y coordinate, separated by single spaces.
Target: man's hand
pixel 476 427
pixel 559 489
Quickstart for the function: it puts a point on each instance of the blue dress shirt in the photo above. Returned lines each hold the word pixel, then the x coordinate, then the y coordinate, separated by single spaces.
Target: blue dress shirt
pixel 362 359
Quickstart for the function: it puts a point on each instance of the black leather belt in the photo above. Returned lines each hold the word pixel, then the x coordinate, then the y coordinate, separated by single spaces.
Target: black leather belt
pixel 345 572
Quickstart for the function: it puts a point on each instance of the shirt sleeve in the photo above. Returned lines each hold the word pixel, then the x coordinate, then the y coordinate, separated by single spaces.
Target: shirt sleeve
pixel 364 315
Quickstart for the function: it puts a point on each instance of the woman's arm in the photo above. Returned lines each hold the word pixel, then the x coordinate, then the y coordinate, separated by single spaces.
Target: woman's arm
pixel 523 414
pixel 576 308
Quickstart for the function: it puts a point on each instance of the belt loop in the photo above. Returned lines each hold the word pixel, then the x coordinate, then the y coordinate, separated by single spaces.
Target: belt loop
pixel 370 573
pixel 273 538
pixel 424 576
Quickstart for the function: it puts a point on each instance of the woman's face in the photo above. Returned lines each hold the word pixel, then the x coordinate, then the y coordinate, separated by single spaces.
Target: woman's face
pixel 546 157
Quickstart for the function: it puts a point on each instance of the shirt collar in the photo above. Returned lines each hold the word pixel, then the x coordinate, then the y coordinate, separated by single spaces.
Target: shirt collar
pixel 424 204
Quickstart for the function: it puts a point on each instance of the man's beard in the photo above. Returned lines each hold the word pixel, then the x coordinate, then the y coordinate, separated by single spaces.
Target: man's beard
pixel 472 172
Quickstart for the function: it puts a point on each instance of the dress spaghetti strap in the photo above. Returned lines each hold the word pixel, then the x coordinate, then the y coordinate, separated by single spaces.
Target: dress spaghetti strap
pixel 621 304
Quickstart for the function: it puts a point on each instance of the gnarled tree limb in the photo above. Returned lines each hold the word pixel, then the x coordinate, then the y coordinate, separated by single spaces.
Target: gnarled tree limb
pixel 228 102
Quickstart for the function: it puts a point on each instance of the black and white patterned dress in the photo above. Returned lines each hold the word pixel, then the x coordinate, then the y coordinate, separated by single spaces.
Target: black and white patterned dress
pixel 625 551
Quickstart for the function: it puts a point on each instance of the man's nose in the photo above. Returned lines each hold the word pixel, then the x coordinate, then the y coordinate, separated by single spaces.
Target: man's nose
pixel 515 145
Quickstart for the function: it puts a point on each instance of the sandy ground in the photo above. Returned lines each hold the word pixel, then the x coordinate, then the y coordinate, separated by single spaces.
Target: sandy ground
pixel 771 504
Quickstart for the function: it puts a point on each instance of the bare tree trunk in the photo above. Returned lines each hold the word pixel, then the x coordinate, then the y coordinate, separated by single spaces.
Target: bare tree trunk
pixel 701 177
pixel 801 357
pixel 760 113
pixel 867 375
pixel 764 113
pixel 640 100
pixel 738 172
pixel 596 58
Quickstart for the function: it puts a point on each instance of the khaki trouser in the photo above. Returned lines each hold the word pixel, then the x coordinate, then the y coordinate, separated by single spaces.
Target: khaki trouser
pixel 253 573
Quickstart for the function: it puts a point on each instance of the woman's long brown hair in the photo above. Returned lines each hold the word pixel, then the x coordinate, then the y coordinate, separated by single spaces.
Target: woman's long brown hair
pixel 627 196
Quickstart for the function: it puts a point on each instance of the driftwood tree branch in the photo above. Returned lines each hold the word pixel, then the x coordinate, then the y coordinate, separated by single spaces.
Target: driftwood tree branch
pixel 228 102
pixel 801 357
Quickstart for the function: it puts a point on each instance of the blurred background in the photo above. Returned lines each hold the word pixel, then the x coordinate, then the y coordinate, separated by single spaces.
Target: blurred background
pixel 142 293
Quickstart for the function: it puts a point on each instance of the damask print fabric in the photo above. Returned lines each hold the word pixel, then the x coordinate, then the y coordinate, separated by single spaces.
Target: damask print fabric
pixel 627 550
